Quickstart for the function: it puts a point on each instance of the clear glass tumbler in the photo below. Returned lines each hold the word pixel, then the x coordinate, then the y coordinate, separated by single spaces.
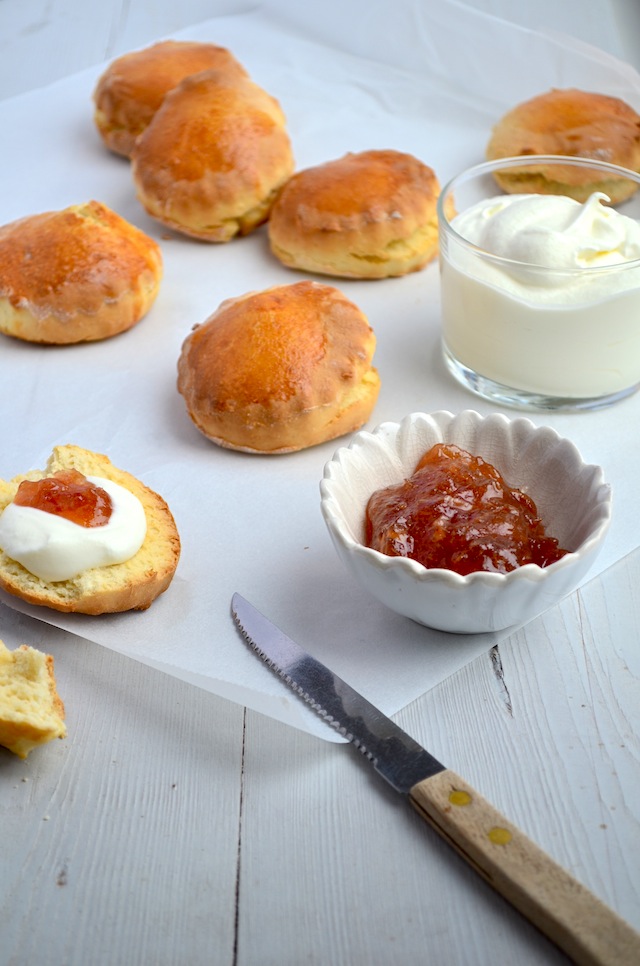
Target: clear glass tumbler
pixel 530 336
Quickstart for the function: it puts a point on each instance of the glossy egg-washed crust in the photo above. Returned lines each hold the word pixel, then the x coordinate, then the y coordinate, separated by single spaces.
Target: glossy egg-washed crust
pixel 366 215
pixel 211 161
pixel 574 123
pixel 76 275
pixel 132 88
pixel 132 585
pixel 280 370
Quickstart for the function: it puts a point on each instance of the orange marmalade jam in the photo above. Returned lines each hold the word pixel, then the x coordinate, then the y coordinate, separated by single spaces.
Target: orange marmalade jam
pixel 457 512
pixel 67 494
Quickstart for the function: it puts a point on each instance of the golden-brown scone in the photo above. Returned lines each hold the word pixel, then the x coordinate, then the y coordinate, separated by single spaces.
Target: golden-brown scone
pixel 76 275
pixel 132 88
pixel 280 370
pixel 31 710
pixel 212 159
pixel 366 215
pixel 132 585
pixel 574 123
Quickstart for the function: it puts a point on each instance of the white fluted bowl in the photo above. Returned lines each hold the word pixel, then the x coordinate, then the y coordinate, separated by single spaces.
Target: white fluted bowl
pixel 572 498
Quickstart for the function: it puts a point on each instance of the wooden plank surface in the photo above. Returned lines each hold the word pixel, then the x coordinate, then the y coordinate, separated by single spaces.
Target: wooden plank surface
pixel 172 828
pixel 538 732
pixel 125 837
pixel 120 843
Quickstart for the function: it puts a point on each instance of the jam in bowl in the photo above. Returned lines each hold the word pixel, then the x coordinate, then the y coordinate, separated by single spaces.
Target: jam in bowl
pixel 570 500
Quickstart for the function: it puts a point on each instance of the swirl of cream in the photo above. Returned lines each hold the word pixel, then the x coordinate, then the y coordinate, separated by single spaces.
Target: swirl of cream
pixel 53 548
pixel 552 231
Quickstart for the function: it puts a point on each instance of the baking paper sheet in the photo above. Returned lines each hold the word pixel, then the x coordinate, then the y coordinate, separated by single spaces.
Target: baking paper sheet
pixel 429 79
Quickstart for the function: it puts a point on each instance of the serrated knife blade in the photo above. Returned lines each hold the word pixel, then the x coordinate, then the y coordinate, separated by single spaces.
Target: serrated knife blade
pixel 586 929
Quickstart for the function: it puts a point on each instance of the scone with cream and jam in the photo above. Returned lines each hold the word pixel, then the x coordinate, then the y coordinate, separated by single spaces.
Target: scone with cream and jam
pixel 84 536
pixel 31 710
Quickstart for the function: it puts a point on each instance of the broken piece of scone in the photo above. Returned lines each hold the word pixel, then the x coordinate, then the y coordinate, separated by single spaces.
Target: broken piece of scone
pixel 31 711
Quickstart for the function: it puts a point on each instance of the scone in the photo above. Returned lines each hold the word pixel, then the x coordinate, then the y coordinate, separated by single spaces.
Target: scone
pixel 366 215
pixel 132 88
pixel 61 546
pixel 212 159
pixel 76 275
pixel 574 123
pixel 280 370
pixel 31 711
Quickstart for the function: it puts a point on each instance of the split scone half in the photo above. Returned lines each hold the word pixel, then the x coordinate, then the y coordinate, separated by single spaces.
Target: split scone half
pixel 122 563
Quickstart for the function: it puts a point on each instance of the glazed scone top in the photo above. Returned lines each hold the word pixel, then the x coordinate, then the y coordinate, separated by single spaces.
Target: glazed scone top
pixel 572 123
pixel 213 157
pixel 365 215
pixel 65 263
pixel 288 346
pixel 132 88
pixel 280 370
pixel 360 189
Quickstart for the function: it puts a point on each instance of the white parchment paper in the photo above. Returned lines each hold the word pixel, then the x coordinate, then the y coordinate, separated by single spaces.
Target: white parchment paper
pixel 429 79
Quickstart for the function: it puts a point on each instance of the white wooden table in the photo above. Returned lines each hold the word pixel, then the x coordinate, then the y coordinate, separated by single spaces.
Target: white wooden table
pixel 174 828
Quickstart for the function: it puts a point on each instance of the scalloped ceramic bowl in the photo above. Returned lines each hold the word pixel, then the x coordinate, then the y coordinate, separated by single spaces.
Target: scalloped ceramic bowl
pixel 572 498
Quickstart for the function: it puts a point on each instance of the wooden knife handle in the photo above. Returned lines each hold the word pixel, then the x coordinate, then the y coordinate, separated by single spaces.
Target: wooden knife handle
pixel 576 920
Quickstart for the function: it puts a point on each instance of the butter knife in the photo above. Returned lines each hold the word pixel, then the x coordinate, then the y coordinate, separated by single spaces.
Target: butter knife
pixel 587 930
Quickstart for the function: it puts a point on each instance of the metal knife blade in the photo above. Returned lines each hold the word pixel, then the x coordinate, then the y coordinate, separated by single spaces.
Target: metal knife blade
pixel 545 893
pixel 393 753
